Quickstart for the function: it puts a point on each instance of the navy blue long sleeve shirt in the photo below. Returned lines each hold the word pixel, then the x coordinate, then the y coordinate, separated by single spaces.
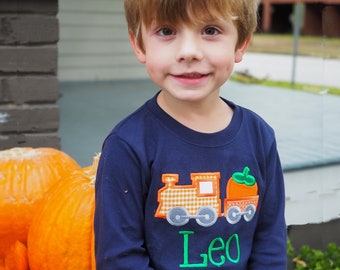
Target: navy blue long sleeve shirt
pixel 168 197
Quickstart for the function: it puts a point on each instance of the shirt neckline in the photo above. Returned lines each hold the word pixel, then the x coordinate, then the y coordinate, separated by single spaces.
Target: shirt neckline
pixel 216 139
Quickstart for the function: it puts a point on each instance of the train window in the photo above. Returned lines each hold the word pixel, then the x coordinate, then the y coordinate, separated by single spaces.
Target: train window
pixel 206 188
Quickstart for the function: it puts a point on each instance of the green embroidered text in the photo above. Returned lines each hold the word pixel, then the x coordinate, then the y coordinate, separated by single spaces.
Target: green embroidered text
pixel 216 249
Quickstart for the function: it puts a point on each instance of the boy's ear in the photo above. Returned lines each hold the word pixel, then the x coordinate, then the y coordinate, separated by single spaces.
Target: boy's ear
pixel 136 48
pixel 241 50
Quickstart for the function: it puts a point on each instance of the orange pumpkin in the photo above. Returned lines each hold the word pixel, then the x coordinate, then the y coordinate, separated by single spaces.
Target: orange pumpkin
pixel 16 258
pixel 61 234
pixel 26 175
pixel 241 184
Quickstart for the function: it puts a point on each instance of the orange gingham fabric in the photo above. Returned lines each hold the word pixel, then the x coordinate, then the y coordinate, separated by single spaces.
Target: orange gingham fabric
pixel 187 198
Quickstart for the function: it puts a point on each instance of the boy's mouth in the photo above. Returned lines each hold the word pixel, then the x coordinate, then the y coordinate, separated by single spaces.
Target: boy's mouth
pixel 191 78
pixel 191 75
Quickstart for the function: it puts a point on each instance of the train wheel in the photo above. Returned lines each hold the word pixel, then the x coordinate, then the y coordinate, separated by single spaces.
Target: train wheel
pixel 233 214
pixel 250 212
pixel 178 216
pixel 206 216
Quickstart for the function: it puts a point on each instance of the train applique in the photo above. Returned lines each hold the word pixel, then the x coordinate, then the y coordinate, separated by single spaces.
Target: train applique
pixel 201 200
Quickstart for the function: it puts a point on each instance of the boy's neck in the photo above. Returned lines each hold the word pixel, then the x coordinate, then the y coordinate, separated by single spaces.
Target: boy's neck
pixel 206 117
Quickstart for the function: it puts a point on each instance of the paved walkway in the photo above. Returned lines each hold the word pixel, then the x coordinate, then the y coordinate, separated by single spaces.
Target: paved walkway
pixel 307 125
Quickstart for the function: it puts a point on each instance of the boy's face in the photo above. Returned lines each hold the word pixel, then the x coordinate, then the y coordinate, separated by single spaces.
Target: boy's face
pixel 190 62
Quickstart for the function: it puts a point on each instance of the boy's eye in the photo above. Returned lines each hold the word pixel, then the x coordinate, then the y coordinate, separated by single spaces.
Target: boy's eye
pixel 165 31
pixel 211 31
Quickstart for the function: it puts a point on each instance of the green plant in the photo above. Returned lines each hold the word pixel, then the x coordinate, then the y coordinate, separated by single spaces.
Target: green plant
pixel 314 259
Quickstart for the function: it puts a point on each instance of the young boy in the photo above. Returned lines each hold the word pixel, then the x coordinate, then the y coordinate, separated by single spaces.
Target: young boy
pixel 190 180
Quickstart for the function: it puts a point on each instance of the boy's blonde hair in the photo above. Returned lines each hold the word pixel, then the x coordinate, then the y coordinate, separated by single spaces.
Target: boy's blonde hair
pixel 242 12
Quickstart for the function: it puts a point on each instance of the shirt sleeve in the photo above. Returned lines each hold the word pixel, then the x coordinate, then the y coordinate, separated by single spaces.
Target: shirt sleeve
pixel 269 249
pixel 120 193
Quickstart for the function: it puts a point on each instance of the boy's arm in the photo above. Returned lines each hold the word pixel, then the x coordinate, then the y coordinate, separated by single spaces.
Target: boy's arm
pixel 269 249
pixel 119 210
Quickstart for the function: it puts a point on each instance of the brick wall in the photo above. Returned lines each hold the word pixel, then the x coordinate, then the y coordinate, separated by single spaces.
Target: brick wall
pixel 29 115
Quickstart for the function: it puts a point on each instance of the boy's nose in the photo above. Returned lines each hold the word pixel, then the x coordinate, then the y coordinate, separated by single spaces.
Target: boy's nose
pixel 189 49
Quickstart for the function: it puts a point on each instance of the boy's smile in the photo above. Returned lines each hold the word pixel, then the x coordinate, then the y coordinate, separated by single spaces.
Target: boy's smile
pixel 191 75
pixel 190 78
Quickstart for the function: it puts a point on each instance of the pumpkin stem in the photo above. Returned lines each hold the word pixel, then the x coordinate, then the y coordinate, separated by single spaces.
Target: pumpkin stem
pixel 92 170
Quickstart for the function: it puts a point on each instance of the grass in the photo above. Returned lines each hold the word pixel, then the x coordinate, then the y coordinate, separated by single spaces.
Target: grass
pixel 283 44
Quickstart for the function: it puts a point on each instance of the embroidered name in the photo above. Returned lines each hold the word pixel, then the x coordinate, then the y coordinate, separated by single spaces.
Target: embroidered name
pixel 218 248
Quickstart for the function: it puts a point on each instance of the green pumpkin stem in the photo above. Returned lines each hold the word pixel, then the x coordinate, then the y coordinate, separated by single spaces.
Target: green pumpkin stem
pixel 244 177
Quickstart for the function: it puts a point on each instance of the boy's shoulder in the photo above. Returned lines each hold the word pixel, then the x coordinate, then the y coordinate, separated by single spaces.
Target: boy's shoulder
pixel 255 117
pixel 249 117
